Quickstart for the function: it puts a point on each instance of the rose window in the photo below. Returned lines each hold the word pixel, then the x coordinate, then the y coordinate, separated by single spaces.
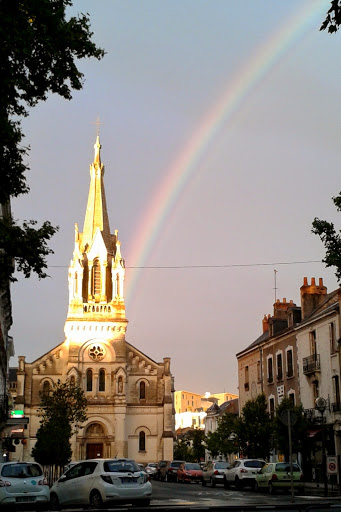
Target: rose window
pixel 96 352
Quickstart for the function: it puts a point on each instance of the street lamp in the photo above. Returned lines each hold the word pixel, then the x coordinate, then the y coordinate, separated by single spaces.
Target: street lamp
pixel 321 406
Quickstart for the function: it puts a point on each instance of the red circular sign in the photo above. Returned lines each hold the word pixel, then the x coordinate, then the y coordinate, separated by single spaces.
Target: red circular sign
pixel 332 466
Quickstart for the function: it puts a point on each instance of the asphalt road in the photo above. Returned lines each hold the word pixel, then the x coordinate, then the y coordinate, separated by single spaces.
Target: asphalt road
pixel 169 496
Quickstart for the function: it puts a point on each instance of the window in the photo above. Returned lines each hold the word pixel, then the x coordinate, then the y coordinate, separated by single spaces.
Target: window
pixel 96 278
pixel 120 385
pixel 312 338
pixel 89 380
pixel 270 370
pixel 291 397
pixel 142 390
pixel 290 368
pixel 315 385
pixel 272 408
pixel 46 388
pixel 279 366
pixel 258 372
pixel 332 338
pixel 142 441
pixel 246 384
pixel 336 389
pixel 101 380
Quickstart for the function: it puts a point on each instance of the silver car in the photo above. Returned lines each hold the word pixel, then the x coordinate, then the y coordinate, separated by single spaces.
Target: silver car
pixel 242 472
pixel 99 481
pixel 214 473
pixel 23 483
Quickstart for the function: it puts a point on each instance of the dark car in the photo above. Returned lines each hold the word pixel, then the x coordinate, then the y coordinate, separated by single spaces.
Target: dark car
pixel 169 472
pixel 161 464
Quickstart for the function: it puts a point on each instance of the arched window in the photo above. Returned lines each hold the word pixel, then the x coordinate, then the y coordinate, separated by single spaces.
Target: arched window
pixel 101 380
pixel 142 390
pixel 46 388
pixel 96 278
pixel 73 380
pixel 89 380
pixel 142 441
pixel 120 385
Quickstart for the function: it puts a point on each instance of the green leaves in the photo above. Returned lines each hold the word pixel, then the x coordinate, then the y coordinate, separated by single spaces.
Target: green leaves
pixel 331 240
pixel 254 429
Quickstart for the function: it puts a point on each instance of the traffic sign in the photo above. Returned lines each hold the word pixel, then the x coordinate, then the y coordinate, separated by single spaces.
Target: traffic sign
pixel 332 465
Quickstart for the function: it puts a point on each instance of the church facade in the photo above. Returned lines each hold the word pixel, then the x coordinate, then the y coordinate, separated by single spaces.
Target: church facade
pixel 130 396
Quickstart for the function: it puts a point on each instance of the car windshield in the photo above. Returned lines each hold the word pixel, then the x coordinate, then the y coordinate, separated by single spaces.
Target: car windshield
pixel 192 466
pixel 121 466
pixel 284 467
pixel 21 470
pixel 253 464
pixel 222 465
pixel 152 465
pixel 176 464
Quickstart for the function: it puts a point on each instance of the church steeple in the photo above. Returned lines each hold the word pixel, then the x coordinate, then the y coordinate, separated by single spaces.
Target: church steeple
pixel 96 212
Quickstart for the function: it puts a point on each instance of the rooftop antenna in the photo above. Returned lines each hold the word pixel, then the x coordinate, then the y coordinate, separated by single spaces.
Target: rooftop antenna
pixel 275 288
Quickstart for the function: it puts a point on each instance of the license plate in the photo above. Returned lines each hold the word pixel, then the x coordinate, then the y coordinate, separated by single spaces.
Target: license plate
pixel 25 499
pixel 125 480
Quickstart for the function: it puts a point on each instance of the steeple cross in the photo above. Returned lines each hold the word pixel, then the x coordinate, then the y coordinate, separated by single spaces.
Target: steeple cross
pixel 98 123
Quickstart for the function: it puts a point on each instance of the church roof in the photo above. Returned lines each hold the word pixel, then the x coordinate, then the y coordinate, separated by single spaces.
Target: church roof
pixel 96 212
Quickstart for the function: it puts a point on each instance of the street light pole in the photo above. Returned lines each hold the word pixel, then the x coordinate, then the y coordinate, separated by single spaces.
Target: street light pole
pixel 321 405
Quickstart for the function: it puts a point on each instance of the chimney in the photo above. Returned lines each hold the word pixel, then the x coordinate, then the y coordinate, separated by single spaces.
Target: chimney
pixel 281 309
pixel 311 296
pixel 266 323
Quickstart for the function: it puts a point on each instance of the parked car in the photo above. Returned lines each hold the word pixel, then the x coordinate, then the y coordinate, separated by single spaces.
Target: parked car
pixel 214 473
pixel 150 469
pixel 161 464
pixel 98 481
pixel 276 475
pixel 189 472
pixel 242 472
pixel 169 471
pixel 23 483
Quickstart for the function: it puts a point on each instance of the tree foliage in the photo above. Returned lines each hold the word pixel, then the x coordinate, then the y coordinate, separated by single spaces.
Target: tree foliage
pixel 333 17
pixel 298 432
pixel 331 240
pixel 63 410
pixel 254 429
pixel 38 53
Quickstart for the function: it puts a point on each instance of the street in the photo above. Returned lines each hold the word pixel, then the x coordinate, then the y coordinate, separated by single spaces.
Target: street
pixel 172 496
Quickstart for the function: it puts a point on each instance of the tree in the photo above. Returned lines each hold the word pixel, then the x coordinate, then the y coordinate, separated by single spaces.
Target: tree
pixel 254 429
pixel 331 240
pixel 227 426
pixel 197 439
pixel 63 410
pixel 182 450
pixel 333 17
pixel 213 443
pixel 38 50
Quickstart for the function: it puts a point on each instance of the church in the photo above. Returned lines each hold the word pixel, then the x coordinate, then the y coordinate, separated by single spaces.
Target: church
pixel 130 396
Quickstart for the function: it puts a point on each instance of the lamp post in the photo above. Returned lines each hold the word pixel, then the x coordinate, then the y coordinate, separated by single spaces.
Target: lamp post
pixel 321 406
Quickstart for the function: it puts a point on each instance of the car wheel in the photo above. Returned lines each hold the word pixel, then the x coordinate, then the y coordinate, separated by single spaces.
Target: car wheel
pixel 256 486
pixel 271 488
pixel 203 483
pixel 212 482
pixel 54 502
pixel 96 500
pixel 238 483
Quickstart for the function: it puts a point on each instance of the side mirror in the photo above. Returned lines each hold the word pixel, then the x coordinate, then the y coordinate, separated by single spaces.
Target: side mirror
pixel 62 478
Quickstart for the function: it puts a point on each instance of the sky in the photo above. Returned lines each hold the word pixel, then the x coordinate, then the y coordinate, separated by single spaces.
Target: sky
pixel 221 143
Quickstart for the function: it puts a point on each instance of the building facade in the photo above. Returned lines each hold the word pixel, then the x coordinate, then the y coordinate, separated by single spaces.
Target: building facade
pixel 130 396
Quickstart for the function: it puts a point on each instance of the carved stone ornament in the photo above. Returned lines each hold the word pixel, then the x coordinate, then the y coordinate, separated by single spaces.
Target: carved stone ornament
pixel 96 352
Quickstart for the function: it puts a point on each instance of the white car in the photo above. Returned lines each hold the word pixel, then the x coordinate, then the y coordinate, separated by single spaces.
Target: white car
pixel 242 472
pixel 150 469
pixel 23 483
pixel 95 482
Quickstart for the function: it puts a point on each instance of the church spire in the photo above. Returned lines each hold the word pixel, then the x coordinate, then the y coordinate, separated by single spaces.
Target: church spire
pixel 96 212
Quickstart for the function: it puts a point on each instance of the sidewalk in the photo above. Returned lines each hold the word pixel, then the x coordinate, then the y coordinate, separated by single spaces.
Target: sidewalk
pixel 317 489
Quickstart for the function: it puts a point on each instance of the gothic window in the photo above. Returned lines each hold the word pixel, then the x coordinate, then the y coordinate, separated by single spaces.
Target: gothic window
pixel 96 278
pixel 46 388
pixel 142 390
pixel 142 441
pixel 101 380
pixel 89 380
pixel 120 385
pixel 96 352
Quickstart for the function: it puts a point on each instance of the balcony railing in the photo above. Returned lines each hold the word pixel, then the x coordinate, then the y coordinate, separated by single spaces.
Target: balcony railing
pixel 311 364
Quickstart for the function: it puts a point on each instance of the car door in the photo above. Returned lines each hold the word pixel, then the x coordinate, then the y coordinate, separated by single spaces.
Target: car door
pixel 230 473
pixel 85 481
pixel 207 472
pixel 262 477
pixel 66 486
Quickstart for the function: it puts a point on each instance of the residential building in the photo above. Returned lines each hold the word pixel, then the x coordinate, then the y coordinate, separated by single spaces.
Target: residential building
pixel 130 396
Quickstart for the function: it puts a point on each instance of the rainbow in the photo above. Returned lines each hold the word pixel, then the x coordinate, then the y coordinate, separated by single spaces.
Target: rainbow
pixel 184 165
